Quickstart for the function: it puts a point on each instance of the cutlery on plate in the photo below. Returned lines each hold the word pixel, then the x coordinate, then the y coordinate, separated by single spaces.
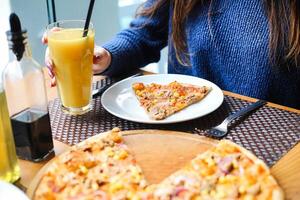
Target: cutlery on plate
pixel 99 91
pixel 222 129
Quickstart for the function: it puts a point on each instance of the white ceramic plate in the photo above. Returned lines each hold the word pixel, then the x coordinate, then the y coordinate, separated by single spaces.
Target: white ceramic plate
pixel 9 191
pixel 121 101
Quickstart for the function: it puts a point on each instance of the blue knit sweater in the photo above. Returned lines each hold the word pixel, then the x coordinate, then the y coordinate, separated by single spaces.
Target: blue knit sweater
pixel 230 49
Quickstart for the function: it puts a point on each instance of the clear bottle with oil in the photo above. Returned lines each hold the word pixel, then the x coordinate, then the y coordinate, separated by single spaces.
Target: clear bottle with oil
pixel 24 85
pixel 9 168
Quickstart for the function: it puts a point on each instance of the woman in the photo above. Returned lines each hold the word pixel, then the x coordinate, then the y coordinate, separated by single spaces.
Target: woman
pixel 247 47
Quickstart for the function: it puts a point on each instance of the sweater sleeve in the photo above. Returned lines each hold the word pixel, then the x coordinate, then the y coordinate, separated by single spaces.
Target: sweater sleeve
pixel 141 43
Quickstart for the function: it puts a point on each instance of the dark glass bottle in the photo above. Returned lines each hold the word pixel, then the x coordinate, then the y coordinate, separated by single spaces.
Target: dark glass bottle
pixel 24 85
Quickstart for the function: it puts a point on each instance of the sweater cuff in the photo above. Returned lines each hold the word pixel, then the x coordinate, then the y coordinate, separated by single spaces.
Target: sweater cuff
pixel 115 48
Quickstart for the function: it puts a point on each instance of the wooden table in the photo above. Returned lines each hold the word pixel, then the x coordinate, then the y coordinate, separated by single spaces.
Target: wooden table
pixel 286 170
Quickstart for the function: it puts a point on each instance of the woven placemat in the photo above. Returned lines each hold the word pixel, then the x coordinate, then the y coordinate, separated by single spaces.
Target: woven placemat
pixel 269 132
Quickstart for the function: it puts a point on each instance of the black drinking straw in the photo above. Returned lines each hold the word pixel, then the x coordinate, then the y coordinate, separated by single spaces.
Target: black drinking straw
pixel 53 11
pixel 88 18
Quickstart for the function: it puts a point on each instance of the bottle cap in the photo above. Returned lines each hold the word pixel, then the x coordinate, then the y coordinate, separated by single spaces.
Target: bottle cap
pixel 16 36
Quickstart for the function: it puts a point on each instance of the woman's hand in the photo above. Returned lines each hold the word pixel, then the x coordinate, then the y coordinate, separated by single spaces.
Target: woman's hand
pixel 48 61
pixel 101 60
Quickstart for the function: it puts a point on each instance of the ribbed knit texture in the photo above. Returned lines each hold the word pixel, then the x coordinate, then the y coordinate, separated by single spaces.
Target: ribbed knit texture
pixel 230 49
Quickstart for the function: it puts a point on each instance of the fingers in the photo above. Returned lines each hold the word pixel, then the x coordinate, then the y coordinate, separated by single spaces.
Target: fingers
pixel 50 67
pixel 96 59
pixel 48 60
pixel 50 70
pixel 53 82
pixel 101 55
pixel 101 60
pixel 45 38
pixel 99 52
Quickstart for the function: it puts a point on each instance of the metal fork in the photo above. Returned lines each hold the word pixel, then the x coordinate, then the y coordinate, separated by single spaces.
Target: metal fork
pixel 222 129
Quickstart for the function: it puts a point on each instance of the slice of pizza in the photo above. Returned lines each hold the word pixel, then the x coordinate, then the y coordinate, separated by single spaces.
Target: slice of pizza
pixel 229 171
pixel 99 169
pixel 226 171
pixel 161 101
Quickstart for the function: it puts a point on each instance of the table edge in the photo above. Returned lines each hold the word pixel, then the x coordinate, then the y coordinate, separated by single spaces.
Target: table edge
pixel 251 99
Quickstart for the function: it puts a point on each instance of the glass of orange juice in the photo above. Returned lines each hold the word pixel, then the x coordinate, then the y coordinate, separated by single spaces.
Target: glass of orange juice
pixel 72 57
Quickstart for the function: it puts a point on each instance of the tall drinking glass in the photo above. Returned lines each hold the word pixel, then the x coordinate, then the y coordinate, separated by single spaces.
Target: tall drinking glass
pixel 72 56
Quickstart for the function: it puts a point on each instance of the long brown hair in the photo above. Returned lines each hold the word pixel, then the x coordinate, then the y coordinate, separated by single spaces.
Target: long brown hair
pixel 284 25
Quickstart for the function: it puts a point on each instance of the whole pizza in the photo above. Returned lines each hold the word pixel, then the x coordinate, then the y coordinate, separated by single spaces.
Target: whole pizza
pixel 104 168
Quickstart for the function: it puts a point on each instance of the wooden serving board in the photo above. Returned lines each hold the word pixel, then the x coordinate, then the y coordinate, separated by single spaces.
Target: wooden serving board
pixel 158 153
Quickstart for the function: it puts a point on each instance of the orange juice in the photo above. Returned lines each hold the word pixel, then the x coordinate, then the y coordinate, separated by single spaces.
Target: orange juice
pixel 72 57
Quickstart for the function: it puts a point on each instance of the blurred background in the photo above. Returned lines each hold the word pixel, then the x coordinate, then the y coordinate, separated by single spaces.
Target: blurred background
pixel 109 17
